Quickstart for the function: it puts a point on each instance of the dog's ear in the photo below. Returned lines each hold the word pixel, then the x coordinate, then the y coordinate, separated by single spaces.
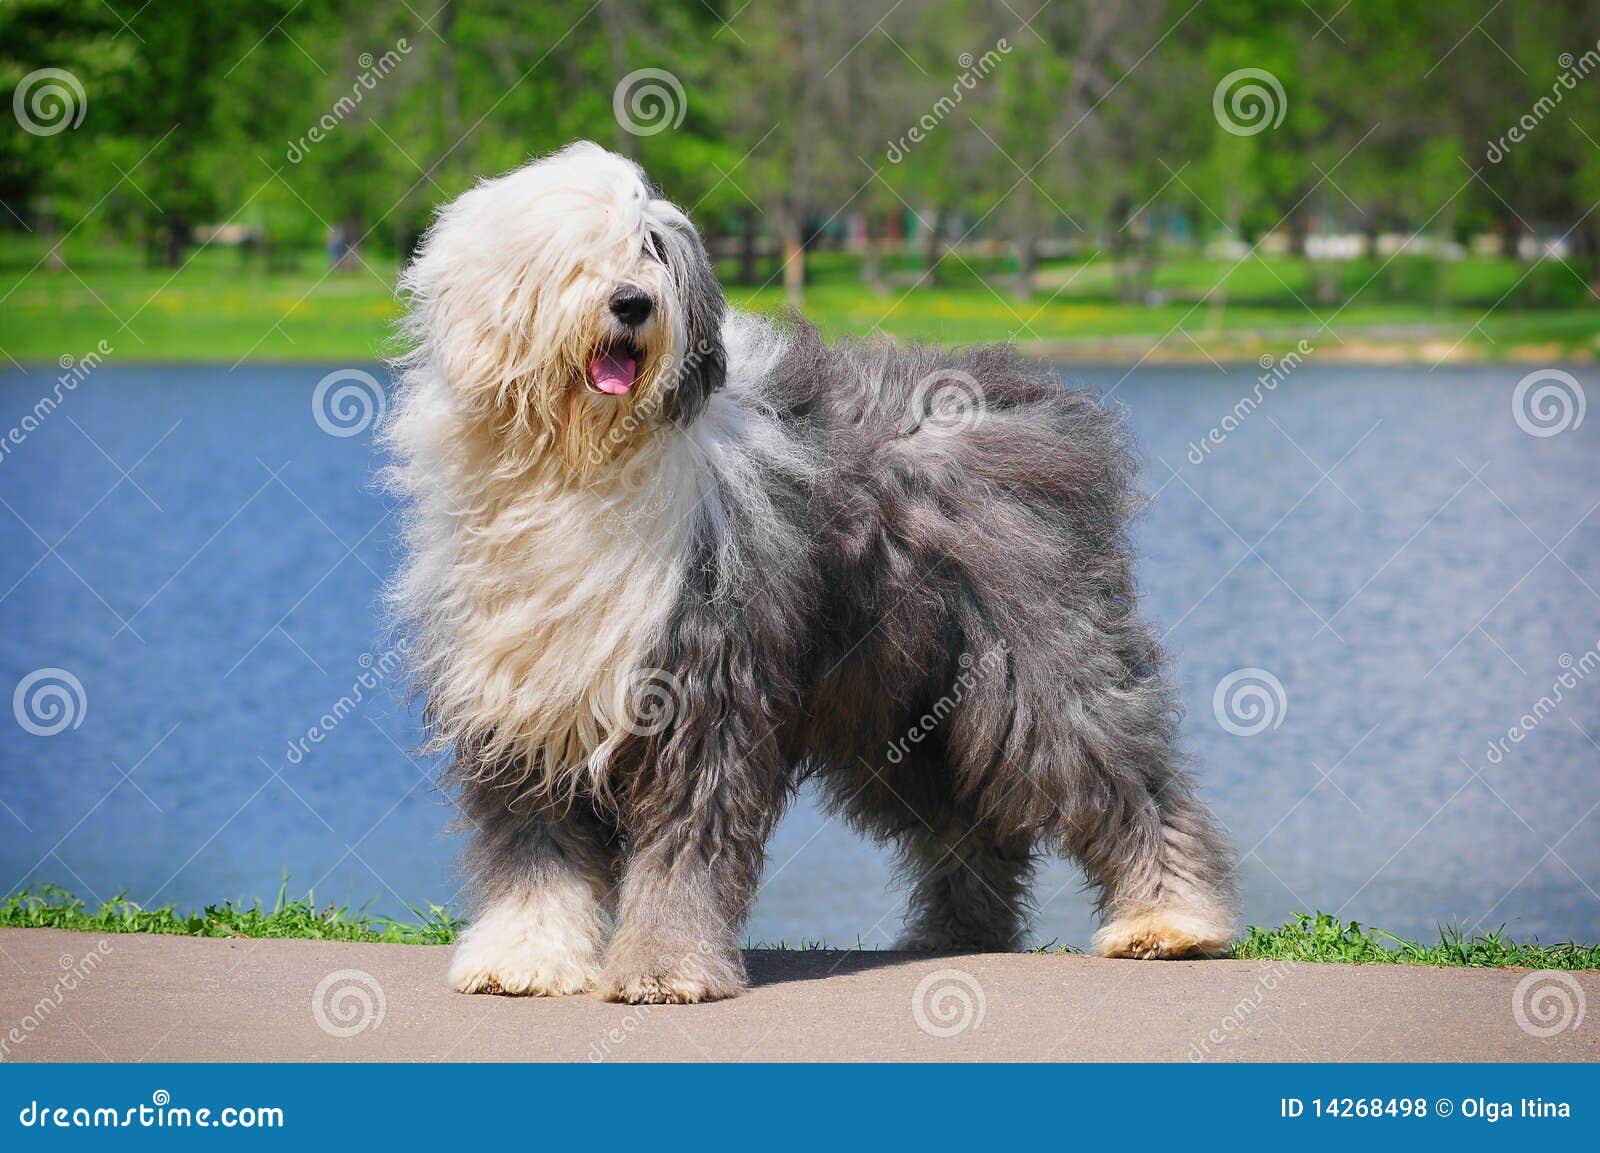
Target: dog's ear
pixel 704 367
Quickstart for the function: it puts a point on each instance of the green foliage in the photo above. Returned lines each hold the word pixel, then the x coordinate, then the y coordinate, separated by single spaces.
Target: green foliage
pixel 1095 122
pixel 54 908
pixel 1325 938
pixel 1552 284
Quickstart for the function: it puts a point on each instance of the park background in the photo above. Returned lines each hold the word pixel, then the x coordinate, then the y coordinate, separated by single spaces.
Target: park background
pixel 1338 260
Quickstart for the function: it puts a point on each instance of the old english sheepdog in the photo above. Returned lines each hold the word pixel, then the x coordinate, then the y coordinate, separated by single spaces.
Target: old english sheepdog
pixel 665 561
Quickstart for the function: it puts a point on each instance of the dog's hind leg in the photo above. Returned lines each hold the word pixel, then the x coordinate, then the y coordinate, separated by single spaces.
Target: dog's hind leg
pixel 1165 874
pixel 540 881
pixel 969 889
pixel 1106 786
pixel 968 882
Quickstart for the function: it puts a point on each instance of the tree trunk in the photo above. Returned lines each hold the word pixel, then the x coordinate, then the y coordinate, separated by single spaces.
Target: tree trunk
pixel 794 259
pixel 933 248
pixel 872 254
pixel 176 239
pixel 615 21
pixel 747 246
pixel 1297 232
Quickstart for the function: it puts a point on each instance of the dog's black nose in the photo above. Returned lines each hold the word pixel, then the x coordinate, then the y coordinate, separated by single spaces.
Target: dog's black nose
pixel 631 305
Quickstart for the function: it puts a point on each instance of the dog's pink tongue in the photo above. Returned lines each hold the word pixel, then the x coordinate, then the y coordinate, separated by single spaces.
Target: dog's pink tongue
pixel 612 373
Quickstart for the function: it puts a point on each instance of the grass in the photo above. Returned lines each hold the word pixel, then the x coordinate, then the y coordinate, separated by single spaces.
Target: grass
pixel 54 908
pixel 1325 938
pixel 1304 937
pixel 220 308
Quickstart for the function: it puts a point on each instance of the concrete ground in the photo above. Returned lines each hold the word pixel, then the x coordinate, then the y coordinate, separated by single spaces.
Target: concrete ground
pixel 83 997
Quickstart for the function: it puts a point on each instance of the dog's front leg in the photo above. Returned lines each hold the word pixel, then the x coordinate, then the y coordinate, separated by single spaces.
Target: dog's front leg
pixel 691 872
pixel 539 882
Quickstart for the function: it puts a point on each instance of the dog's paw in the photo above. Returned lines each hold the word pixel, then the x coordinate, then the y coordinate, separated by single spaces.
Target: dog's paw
pixel 521 965
pixel 667 977
pixel 1164 934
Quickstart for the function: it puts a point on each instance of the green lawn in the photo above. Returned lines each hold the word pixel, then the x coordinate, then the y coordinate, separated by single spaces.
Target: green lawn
pixel 1303 938
pixel 219 307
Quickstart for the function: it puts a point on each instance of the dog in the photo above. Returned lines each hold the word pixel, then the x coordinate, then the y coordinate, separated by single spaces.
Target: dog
pixel 665 561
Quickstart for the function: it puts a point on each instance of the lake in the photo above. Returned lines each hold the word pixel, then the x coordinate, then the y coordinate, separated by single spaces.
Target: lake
pixel 1392 582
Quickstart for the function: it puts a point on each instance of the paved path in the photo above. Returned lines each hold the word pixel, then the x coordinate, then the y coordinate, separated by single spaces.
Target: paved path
pixel 137 998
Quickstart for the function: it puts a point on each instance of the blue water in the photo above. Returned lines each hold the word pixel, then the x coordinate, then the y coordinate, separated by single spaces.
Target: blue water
pixel 206 561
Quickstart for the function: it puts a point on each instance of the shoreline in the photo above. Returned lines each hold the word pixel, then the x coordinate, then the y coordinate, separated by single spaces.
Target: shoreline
pixel 1241 352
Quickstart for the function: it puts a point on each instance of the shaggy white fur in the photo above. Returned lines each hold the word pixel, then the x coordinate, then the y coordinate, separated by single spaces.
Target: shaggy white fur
pixel 534 599
pixel 547 943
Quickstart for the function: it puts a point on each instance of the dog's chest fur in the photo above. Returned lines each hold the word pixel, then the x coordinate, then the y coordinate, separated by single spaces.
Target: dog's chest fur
pixel 542 604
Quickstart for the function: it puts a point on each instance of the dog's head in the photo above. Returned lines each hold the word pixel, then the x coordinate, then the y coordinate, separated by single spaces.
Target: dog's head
pixel 569 306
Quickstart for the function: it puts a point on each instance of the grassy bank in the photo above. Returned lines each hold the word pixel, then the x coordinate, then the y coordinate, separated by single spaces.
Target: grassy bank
pixel 219 307
pixel 1319 938
pixel 54 908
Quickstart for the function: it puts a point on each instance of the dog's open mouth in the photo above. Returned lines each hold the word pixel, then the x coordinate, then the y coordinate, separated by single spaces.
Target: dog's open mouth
pixel 614 368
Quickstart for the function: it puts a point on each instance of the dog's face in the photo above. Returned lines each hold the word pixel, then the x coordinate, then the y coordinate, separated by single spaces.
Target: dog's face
pixel 570 306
